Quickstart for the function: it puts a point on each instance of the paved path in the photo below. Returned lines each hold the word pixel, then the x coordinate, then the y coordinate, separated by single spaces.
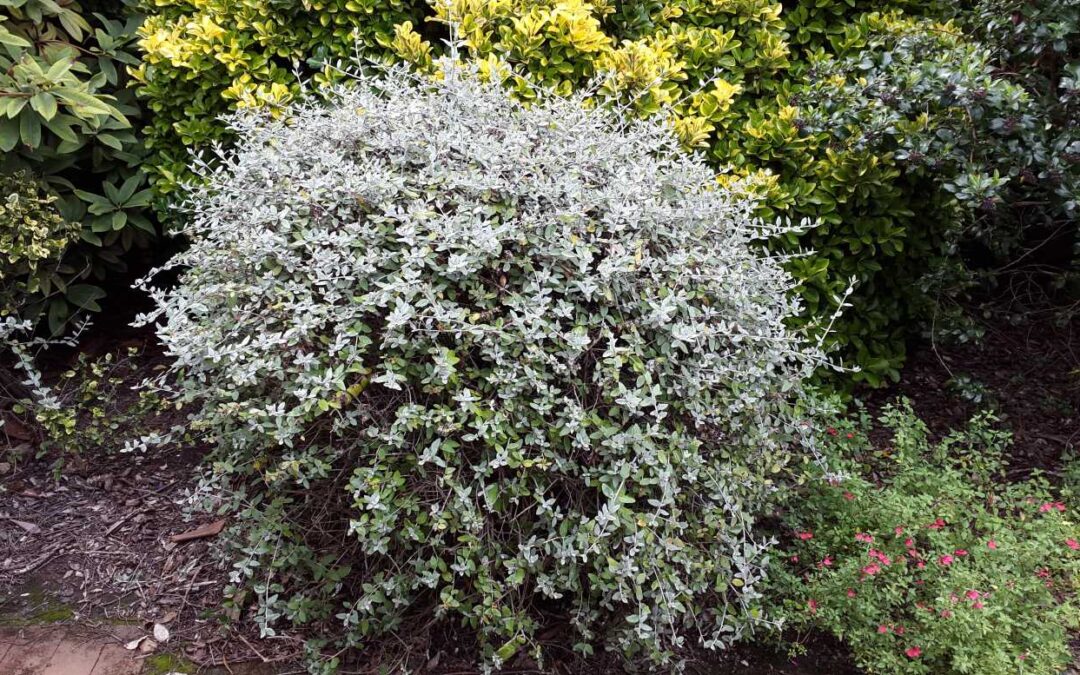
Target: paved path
pixel 58 650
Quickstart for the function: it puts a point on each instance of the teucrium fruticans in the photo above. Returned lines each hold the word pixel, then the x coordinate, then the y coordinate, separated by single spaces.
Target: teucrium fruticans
pixel 528 354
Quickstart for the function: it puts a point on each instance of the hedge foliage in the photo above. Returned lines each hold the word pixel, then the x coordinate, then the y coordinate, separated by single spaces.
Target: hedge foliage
pixel 67 123
pixel 729 70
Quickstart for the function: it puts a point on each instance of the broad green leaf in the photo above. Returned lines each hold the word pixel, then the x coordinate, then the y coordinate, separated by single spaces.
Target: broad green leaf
pixel 30 129
pixel 9 134
pixel 85 296
pixel 45 105
pixel 7 38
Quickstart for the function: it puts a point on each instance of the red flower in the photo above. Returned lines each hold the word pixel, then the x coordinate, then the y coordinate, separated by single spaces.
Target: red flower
pixel 909 542
pixel 883 628
pixel 960 552
pixel 973 595
pixel 1072 543
pixel 804 535
pixel 848 496
pixel 871 569
pixel 880 557
pixel 937 524
pixel 899 630
pixel 832 431
pixel 863 537
pixel 850 435
pixel 992 545
pixel 913 652
pixel 946 560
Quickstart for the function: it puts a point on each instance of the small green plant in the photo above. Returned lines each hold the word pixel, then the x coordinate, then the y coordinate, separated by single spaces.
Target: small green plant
pixel 941 566
pixel 89 408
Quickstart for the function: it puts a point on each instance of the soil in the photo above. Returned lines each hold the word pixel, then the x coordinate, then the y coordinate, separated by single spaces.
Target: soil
pixel 92 547
pixel 1028 375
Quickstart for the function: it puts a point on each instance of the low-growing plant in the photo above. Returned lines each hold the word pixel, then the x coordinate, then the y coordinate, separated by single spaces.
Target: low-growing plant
pixel 938 565
pixel 478 361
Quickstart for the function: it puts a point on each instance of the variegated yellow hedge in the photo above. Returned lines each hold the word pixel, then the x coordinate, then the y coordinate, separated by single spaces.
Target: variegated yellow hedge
pixel 730 69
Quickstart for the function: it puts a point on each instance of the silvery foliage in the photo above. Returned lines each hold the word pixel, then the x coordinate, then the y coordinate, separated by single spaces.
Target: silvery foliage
pixel 537 341
pixel 24 384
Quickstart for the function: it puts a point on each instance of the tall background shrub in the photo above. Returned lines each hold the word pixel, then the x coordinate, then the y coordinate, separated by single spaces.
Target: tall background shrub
pixel 68 134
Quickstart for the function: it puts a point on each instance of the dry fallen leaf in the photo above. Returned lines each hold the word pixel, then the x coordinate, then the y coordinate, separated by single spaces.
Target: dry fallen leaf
pixel 29 527
pixel 161 633
pixel 134 644
pixel 171 616
pixel 208 530
pixel 147 646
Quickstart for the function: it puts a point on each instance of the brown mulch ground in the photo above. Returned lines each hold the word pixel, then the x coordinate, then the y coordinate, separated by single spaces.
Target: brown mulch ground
pixel 1028 375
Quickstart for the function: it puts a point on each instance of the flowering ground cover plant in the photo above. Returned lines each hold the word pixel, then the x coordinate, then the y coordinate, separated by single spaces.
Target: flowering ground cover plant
pixel 943 567
pixel 468 358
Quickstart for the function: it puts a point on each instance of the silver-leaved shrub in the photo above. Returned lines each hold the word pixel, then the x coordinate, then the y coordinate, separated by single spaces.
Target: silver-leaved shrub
pixel 468 359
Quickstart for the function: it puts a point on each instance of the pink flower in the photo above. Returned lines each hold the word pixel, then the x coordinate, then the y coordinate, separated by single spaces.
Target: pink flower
pixel 937 524
pixel 863 537
pixel 960 552
pixel 992 545
pixel 850 435
pixel 832 431
pixel 913 652
pixel 921 565
pixel 848 496
pixel 1023 657
pixel 812 606
pixel 880 557
pixel 946 613
pixel 977 605
pixel 1073 544
pixel 794 558
pixel 899 530
pixel 871 569
pixel 825 562
pixel 851 593
pixel 973 595
pixel 883 628
pixel 909 542
pixel 1052 506
pixel 804 535
pixel 946 560
pixel 899 630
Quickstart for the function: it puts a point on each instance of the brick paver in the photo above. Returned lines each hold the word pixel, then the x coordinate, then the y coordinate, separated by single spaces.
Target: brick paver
pixel 57 651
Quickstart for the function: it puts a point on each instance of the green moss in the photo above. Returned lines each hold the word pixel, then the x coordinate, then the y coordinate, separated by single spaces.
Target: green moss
pixel 33 609
pixel 160 664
